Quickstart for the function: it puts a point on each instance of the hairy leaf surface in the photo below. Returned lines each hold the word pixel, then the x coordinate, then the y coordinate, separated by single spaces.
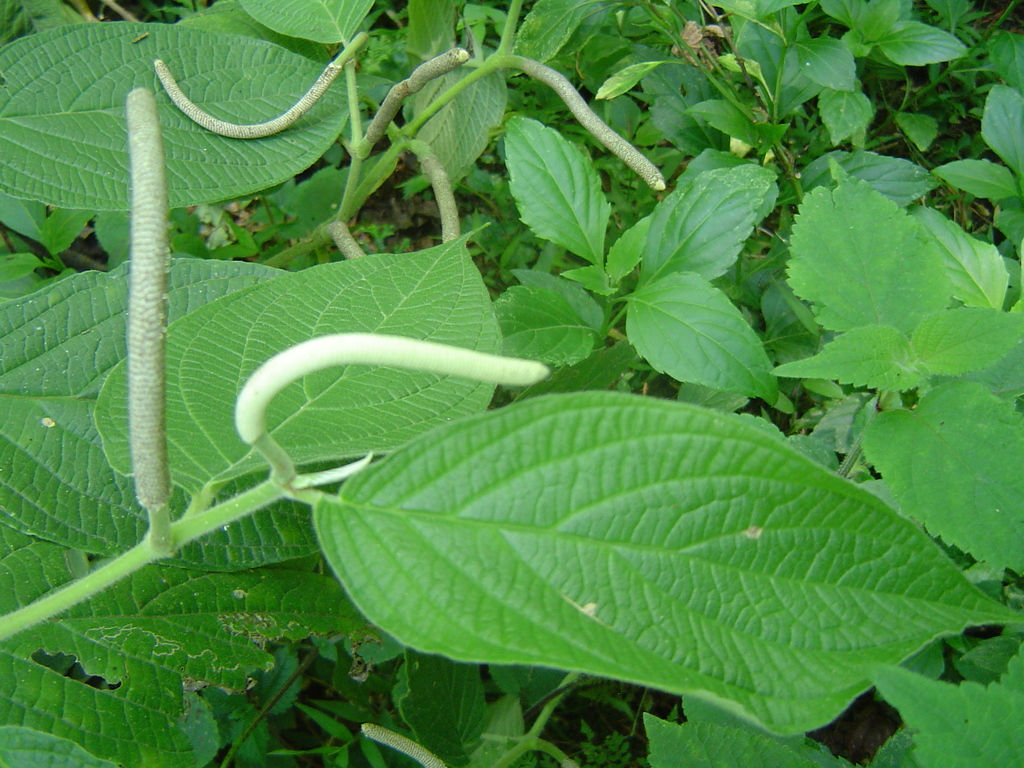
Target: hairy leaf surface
pixel 704 556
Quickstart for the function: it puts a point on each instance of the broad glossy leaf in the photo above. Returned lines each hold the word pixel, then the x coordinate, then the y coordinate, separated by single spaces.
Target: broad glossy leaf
pixel 912 43
pixel 435 294
pixel 556 188
pixel 461 130
pixel 59 345
pixel 875 356
pixel 828 62
pixel 24 747
pixel 62 129
pixel 702 225
pixel 443 702
pixel 975 268
pixel 326 21
pixel 966 339
pixel 846 114
pixel 148 636
pixel 982 178
pixel 861 260
pixel 688 329
pixel 1000 125
pixel 954 464
pixel 708 745
pixel 648 541
pixel 550 24
pixel 599 371
pixel 960 726
pixel 900 180
pixel 539 324
pixel 624 80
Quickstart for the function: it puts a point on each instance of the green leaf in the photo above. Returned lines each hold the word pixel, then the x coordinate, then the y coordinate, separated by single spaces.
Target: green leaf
pixel 462 129
pixel 17 265
pixel 846 114
pixel 726 117
pixel 827 62
pixel 24 17
pixel 556 188
pixel 702 225
pixel 57 484
pixel 647 541
pixel 147 636
pixel 26 217
pixel 627 251
pixel 550 24
pixel 443 703
pixel 913 44
pixel 706 745
pixel 624 80
pixel 1000 125
pixel 1006 55
pixel 960 726
pixel 954 464
pixel 431 27
pixel 325 21
pixel 599 371
pixel 583 304
pixel 62 129
pixel 981 178
pixel 900 180
pixel 688 329
pixel 874 356
pixel 975 268
pixel 861 260
pixel 920 129
pixel 540 324
pixel 25 748
pixel 435 294
pixel 961 340
pixel 61 228
pixel 228 16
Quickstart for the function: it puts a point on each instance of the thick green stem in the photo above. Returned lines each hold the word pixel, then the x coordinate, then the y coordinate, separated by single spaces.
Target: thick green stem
pixel 147 316
pixel 508 34
pixel 270 127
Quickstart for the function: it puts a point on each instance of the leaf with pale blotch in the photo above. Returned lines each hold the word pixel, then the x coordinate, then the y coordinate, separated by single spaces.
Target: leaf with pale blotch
pixel 647 541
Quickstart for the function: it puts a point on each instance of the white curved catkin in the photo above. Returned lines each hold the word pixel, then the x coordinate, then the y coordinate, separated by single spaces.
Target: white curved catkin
pixel 406 746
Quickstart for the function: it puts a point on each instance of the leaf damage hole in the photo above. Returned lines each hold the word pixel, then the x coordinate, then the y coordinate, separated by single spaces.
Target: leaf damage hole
pixel 67 665
pixel 753 532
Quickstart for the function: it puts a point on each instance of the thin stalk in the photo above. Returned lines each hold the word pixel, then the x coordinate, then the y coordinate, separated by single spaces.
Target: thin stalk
pixel 270 127
pixel 508 34
pixel 531 740
pixel 147 317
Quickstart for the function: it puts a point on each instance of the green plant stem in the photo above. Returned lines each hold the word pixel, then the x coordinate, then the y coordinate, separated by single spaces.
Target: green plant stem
pixel 508 34
pixel 147 317
pixel 270 127
pixel 442 186
pixel 531 740
pixel 347 244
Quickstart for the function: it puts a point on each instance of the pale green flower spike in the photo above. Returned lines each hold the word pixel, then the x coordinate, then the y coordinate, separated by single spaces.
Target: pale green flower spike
pixel 362 349
pixel 406 746
pixel 270 127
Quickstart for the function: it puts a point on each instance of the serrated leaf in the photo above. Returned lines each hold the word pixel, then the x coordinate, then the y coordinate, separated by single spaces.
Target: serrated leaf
pixel 57 484
pixel 627 251
pixel 913 44
pixel 62 129
pixel 861 260
pixel 688 329
pixel 975 268
pixel 624 80
pixel 326 21
pixel 550 24
pixel 726 117
pixel 846 114
pixel 1000 125
pixel 730 567
pixel 702 225
pixel 435 294
pixel 981 178
pixel 707 745
pixel 960 726
pixel 146 636
pixel 540 324
pixel 461 130
pixel 920 129
pixel 556 188
pixel 875 356
pixel 966 339
pixel 443 702
pixel 954 464
pixel 900 180
pixel 26 748
pixel 827 62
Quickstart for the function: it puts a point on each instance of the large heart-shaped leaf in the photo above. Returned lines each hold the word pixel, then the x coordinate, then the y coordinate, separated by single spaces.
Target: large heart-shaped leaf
pixel 649 541
pixel 62 129
pixel 435 294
